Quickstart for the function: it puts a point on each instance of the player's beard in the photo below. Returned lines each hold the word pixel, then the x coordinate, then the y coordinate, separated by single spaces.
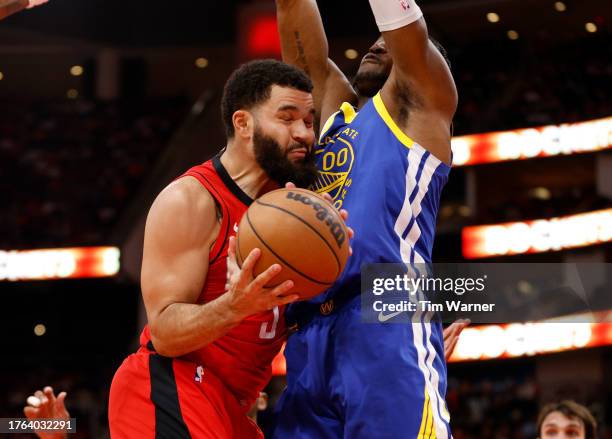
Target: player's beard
pixel 276 163
pixel 369 83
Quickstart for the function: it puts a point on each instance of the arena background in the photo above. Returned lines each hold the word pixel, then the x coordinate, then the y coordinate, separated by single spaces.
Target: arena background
pixel 103 102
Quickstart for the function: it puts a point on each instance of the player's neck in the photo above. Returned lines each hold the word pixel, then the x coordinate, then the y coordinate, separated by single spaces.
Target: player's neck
pixel 362 100
pixel 245 171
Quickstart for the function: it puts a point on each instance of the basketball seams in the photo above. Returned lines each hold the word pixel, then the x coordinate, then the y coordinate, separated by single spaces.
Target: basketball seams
pixel 307 225
pixel 305 276
pixel 239 258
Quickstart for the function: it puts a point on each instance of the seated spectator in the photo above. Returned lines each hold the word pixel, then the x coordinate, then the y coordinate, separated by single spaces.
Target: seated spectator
pixel 566 420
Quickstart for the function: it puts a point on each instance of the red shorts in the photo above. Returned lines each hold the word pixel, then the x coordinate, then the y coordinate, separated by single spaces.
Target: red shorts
pixel 155 397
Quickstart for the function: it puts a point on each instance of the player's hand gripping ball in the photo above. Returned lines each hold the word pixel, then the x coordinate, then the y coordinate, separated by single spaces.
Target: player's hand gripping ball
pixel 302 232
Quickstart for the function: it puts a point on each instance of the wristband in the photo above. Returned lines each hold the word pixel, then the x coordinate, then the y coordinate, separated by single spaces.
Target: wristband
pixel 393 14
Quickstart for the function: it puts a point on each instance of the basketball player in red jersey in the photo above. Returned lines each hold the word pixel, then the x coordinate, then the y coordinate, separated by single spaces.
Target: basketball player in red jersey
pixel 207 349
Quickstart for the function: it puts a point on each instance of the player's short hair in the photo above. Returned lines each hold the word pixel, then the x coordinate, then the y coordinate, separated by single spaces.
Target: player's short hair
pixel 570 409
pixel 251 84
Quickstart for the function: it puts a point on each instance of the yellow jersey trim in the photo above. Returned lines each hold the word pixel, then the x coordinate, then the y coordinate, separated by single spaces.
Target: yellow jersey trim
pixel 384 114
pixel 427 430
pixel 424 416
pixel 349 112
pixel 327 125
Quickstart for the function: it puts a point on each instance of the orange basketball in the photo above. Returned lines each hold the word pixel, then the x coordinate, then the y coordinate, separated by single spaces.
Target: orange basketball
pixel 302 232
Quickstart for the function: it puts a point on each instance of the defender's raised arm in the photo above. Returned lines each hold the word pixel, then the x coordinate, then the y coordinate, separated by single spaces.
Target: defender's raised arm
pixel 420 80
pixel 304 44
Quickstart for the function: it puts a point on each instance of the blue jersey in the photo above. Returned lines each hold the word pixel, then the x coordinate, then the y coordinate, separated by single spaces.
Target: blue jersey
pixel 351 379
pixel 389 184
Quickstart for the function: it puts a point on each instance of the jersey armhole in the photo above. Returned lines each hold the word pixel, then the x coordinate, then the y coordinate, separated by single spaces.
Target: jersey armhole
pixel 382 111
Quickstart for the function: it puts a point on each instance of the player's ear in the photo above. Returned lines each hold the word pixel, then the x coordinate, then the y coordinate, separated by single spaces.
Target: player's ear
pixel 243 124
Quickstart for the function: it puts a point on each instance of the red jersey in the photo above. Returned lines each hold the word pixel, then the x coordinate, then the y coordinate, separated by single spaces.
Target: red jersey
pixel 242 358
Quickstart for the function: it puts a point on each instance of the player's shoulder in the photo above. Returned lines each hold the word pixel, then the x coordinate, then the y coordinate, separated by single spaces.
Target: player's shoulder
pixel 338 120
pixel 186 191
pixel 183 214
pixel 184 200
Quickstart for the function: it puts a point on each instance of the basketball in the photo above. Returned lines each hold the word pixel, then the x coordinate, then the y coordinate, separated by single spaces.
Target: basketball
pixel 302 232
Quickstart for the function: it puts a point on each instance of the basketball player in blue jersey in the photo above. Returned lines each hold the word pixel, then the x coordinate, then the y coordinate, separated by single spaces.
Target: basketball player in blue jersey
pixel 384 155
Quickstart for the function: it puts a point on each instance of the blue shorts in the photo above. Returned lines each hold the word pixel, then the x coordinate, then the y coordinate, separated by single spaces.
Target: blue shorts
pixel 347 379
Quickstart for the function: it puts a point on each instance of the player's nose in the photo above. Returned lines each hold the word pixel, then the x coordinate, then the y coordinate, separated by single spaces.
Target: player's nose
pixel 378 48
pixel 303 134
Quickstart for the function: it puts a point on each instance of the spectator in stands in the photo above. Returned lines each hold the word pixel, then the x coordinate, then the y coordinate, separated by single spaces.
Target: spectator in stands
pixel 566 420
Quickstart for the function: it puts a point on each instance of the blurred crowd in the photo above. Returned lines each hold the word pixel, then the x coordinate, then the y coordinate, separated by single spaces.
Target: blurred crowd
pixel 493 409
pixel 70 167
pixel 507 408
pixel 516 84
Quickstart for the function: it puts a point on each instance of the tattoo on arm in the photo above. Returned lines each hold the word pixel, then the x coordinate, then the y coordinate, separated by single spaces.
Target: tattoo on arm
pixel 301 58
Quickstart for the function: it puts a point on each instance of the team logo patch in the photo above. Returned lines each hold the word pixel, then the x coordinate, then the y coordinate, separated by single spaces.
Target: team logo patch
pixel 334 162
pixel 327 307
pixel 199 374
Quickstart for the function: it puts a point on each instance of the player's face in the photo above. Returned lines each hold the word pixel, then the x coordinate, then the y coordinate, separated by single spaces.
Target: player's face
pixel 374 69
pixel 558 426
pixel 288 117
pixel 283 138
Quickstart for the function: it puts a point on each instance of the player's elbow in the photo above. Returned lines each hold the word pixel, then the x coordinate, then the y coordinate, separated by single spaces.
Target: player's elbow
pixel 162 342
pixel 162 346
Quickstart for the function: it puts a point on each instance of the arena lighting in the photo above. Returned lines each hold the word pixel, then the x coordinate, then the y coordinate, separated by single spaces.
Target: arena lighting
pixel 72 93
pixel 529 339
pixel 513 35
pixel 60 263
pixel 76 70
pixel 492 17
pixel 201 63
pixel 547 141
pixel 515 340
pixel 262 39
pixel 351 53
pixel 40 330
pixel 537 236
